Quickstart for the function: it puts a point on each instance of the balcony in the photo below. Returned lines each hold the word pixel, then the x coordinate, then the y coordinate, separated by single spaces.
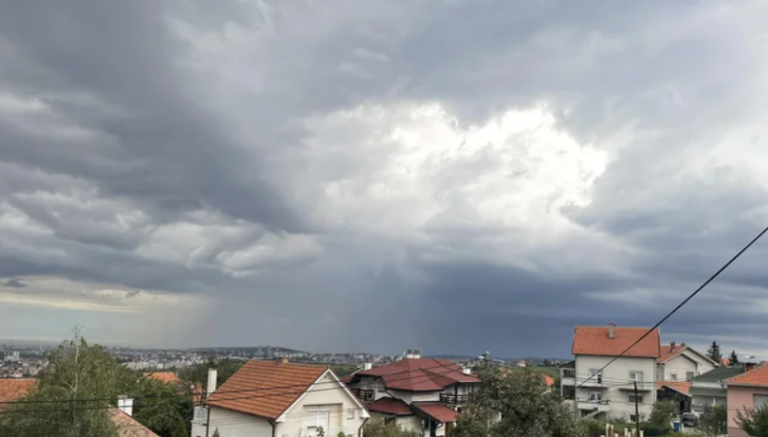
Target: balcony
pixel 363 394
pixel 452 399
pixel 594 405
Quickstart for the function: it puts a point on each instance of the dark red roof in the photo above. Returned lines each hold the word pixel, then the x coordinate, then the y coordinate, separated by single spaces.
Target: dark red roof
pixel 437 411
pixel 14 389
pixel 395 407
pixel 420 374
pixel 594 340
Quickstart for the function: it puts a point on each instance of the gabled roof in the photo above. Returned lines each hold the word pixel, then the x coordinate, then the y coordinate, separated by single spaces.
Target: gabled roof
pixel 127 426
pixel 681 387
pixel 391 406
pixel 719 374
pixel 672 350
pixel 419 374
pixel 757 377
pixel 265 388
pixel 15 389
pixel 594 340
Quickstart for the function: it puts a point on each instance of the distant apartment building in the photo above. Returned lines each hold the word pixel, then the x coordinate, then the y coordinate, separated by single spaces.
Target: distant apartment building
pixel 418 394
pixel 12 357
pixel 680 362
pixel 610 393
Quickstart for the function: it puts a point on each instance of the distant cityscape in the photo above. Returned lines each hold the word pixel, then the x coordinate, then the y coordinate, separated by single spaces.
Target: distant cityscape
pixel 26 361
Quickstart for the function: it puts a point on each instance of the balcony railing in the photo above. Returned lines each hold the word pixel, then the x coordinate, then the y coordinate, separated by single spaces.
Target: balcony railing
pixel 569 373
pixel 363 394
pixel 452 399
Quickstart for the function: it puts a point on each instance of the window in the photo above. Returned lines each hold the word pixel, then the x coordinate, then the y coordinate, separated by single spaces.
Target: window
pixel 569 392
pixel 689 376
pixel 638 397
pixel 636 376
pixel 595 396
pixel 317 418
pixel 760 400
pixel 350 413
pixel 673 376
pixel 597 375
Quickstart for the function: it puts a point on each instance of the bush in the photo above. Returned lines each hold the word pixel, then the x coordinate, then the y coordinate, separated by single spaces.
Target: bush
pixel 662 415
pixel 591 428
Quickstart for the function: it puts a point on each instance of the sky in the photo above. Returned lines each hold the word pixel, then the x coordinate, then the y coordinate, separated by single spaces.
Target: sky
pixel 375 175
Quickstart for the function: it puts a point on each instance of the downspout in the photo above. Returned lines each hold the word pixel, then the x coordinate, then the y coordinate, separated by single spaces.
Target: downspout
pixel 208 422
pixel 359 430
pixel 274 427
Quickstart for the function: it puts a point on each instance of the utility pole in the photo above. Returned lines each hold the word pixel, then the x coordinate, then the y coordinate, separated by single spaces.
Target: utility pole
pixel 637 412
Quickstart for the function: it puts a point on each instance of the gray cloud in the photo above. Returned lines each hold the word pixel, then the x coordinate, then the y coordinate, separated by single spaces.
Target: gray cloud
pixel 454 175
pixel 14 283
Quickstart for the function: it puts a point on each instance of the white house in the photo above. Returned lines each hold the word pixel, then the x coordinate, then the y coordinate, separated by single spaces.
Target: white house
pixel 424 395
pixel 610 393
pixel 679 362
pixel 279 399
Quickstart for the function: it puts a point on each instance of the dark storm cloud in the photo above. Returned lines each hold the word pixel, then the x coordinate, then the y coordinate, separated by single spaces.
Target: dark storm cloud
pixel 163 146
pixel 14 283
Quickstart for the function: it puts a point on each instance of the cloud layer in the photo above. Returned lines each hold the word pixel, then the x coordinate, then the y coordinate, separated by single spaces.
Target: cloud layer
pixel 455 175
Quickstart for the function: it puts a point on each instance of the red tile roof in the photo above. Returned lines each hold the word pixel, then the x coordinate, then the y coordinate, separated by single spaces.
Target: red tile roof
pixel 437 411
pixel 127 426
pixel 168 377
pixel 670 351
pixel 593 340
pixel 683 387
pixel 757 377
pixel 549 380
pixel 420 374
pixel 15 389
pixel 395 407
pixel 265 388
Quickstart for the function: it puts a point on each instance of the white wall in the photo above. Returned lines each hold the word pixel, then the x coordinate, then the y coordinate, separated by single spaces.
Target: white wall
pixel 685 362
pixel 295 422
pixel 234 424
pixel 618 374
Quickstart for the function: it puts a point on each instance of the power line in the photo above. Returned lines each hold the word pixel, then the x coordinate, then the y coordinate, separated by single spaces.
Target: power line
pixel 681 304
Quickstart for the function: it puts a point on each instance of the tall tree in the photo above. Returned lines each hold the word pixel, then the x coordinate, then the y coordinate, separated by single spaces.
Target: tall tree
pixel 524 403
pixel 714 420
pixel 714 352
pixel 734 358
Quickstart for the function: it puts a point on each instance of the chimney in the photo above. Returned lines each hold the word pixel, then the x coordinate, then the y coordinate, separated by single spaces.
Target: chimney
pixel 212 375
pixel 125 404
pixel 282 360
pixel 611 334
pixel 367 366
pixel 672 347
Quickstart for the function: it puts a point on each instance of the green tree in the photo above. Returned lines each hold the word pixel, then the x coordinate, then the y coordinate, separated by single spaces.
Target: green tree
pixel 383 429
pixel 734 358
pixel 714 352
pixel 713 420
pixel 197 374
pixel 164 408
pixel 662 415
pixel 525 405
pixel 474 421
pixel 753 422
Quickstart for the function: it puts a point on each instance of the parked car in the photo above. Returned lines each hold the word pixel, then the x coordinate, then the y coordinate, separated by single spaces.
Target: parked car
pixel 689 420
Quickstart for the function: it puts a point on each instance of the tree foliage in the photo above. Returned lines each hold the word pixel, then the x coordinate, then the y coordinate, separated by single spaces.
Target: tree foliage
pixel 76 394
pixel 383 429
pixel 714 420
pixel 734 358
pixel 197 375
pixel 662 415
pixel 753 422
pixel 714 352
pixel 524 403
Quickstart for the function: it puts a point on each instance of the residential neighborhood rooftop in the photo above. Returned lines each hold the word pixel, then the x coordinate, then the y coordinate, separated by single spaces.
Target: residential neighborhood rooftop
pixel 757 377
pixel 719 374
pixel 613 340
pixel 275 386
pixel 393 406
pixel 420 374
pixel 679 386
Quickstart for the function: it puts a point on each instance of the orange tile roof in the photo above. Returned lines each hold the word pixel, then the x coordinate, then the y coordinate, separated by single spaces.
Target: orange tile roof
pixel 437 411
pixel 549 380
pixel 167 377
pixel 127 426
pixel 683 387
pixel 593 340
pixel 15 389
pixel 670 351
pixel 265 388
pixel 757 377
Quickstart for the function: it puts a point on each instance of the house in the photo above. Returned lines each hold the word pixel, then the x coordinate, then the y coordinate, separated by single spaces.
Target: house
pixel 746 391
pixel 680 362
pixel 708 389
pixel 609 394
pixel 676 391
pixel 15 389
pixel 276 398
pixel 424 395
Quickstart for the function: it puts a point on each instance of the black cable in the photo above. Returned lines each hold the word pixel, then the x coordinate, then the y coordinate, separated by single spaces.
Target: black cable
pixel 691 296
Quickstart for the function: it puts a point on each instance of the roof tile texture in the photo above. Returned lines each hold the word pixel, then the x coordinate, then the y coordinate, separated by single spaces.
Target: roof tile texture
pixel 420 374
pixel 757 377
pixel 684 387
pixel 594 340
pixel 265 388
pixel 392 406
pixel 437 411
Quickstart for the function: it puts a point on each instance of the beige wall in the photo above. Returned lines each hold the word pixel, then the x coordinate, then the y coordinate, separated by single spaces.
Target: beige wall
pixel 685 362
pixel 296 421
